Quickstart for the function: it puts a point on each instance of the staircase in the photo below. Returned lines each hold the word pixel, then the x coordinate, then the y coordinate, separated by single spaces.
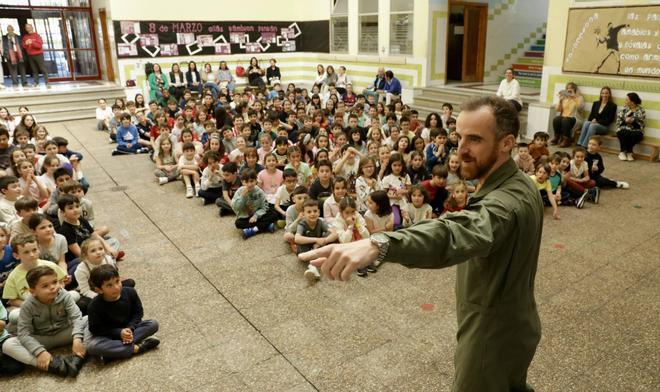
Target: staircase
pixel 62 102
pixel 529 68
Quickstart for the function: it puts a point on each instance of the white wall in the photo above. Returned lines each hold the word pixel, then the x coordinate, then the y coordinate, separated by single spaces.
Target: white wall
pixel 204 10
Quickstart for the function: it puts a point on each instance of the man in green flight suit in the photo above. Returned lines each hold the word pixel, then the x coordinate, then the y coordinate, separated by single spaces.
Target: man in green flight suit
pixel 494 242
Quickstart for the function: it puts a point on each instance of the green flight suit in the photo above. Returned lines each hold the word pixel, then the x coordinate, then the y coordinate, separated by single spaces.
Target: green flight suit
pixel 495 242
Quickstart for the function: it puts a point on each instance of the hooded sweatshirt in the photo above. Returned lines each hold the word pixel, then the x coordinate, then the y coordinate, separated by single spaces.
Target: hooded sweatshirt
pixel 39 319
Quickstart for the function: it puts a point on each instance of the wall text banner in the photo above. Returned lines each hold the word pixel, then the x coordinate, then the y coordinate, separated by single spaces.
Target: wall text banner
pixel 622 41
pixel 135 39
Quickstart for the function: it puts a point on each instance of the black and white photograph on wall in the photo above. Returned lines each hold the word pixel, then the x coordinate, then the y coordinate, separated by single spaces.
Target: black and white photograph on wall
pixel 288 33
pixel 149 39
pixel 205 40
pixel 185 38
pixel 169 50
pixel 289 46
pixel 129 27
pixel 222 48
pixel 268 38
pixel 252 47
pixel 127 50
pixel 238 38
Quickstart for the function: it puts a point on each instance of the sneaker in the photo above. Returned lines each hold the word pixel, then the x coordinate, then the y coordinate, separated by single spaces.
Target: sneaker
pixel 312 275
pixel 595 194
pixel 622 184
pixel 271 227
pixel 189 192
pixel 362 272
pixel 372 268
pixel 281 223
pixel 148 344
pixel 58 367
pixel 143 150
pixel 115 153
pixel 579 203
pixel 74 363
pixel 622 156
pixel 249 232
pixel 630 157
pixel 162 180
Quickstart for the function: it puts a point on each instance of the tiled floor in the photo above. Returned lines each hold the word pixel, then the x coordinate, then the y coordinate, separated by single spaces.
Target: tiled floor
pixel 238 315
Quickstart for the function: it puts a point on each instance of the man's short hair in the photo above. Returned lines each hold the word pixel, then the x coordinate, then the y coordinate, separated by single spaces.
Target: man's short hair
pixel 66 200
pixel 60 141
pixel 37 273
pixel 71 186
pixel 541 135
pixel 59 172
pixel 26 204
pixel 505 114
pixel 389 74
pixel 310 203
pixel 187 146
pixel 102 274
pixel 288 173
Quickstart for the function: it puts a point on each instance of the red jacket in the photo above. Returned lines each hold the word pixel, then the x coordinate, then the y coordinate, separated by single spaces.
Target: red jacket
pixel 36 46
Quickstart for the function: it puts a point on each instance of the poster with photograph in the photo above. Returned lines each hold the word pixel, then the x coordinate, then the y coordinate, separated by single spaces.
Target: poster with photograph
pixel 149 39
pixel 169 50
pixel 205 40
pixel 127 50
pixel 222 48
pixel 252 47
pixel 185 38
pixel 289 46
pixel 238 38
pixel 129 27
pixel 269 38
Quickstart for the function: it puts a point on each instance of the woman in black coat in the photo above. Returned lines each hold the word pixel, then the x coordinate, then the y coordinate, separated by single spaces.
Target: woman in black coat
pixel 603 113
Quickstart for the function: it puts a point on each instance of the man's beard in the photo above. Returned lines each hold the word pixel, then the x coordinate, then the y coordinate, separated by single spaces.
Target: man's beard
pixel 482 168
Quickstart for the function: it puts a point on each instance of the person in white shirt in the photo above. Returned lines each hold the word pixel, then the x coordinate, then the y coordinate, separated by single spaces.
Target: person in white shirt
pixel 103 116
pixel 510 89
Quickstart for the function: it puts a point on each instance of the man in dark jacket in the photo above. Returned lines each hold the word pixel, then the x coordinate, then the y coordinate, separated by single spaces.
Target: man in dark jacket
pixel 14 56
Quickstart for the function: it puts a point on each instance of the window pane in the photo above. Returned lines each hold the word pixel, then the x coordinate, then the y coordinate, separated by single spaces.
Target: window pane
pixel 369 34
pixel 84 63
pixel 401 5
pixel 80 36
pixel 368 6
pixel 61 3
pixel 401 33
pixel 340 7
pixel 339 34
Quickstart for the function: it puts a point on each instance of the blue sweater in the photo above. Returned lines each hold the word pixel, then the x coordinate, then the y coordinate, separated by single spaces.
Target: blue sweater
pixel 393 86
pixel 127 135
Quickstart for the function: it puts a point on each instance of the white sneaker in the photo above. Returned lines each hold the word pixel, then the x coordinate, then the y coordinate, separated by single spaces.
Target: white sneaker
pixel 630 157
pixel 312 275
pixel 197 188
pixel 189 192
pixel 162 180
pixel 622 184
pixel 622 156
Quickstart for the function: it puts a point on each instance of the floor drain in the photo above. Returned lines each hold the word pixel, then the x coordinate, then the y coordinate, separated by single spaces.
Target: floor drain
pixel 118 188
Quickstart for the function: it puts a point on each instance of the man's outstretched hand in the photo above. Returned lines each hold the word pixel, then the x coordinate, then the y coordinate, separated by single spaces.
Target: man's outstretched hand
pixel 338 261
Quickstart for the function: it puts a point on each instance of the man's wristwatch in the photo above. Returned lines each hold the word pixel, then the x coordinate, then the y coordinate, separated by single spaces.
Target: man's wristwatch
pixel 383 243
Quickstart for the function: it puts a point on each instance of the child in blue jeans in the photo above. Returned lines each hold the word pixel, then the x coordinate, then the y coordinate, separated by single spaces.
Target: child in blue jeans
pixel 253 213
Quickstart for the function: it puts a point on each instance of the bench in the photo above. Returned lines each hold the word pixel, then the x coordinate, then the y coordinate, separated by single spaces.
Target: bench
pixel 611 137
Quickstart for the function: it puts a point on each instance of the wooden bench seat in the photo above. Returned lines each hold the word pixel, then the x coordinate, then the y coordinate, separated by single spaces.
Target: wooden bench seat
pixel 653 146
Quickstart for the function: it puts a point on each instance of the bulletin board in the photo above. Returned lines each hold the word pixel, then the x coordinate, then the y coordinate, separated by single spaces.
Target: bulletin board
pixel 140 39
pixel 623 41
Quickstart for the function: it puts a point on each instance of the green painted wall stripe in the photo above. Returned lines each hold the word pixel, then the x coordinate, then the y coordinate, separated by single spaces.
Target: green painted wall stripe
pixel 436 16
pixel 522 45
pixel 598 82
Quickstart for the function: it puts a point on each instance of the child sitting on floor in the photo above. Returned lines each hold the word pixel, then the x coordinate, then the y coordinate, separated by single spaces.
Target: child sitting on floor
pixel 211 183
pixel 294 214
pixel 578 180
pixel 350 226
pixel 49 318
pixel 283 194
pixel 597 166
pixel 458 198
pixel 539 147
pixel 418 209
pixel 331 204
pixel 524 161
pixel 115 318
pixel 189 169
pixel 313 232
pixel 230 184
pixel 253 214
pixel 544 186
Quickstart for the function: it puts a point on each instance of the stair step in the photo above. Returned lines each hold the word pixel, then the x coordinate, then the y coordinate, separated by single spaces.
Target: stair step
pixel 533 53
pixel 540 41
pixel 527 67
pixel 538 48
pixel 530 60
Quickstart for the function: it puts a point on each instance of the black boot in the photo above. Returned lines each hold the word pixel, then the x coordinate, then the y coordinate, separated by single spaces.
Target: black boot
pixel 73 364
pixel 57 367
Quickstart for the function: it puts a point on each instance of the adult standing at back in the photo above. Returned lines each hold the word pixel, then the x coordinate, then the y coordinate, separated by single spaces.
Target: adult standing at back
pixel 495 244
pixel 33 45
pixel 510 89
pixel 13 54
pixel 603 113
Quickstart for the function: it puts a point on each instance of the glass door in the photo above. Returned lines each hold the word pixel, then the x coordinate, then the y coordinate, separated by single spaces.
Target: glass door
pixel 81 44
pixel 50 26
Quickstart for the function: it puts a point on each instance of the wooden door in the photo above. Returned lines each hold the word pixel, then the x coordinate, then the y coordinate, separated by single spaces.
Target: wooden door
pixel 109 69
pixel 474 42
